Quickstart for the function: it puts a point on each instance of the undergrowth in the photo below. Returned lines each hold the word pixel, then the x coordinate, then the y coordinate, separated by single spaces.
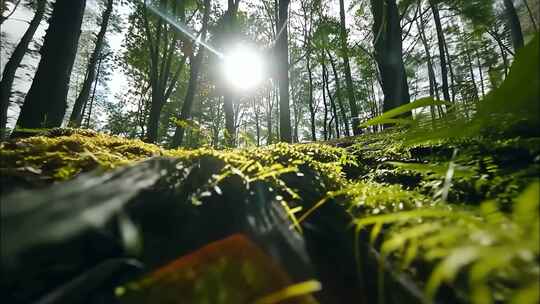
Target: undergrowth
pixel 402 195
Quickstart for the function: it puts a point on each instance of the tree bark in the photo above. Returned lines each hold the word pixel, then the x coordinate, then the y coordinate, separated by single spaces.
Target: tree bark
pixel 514 24
pixel 230 20
pixel 338 94
pixel 45 104
pixel 431 72
pixel 332 102
pixel 389 53
pixel 311 106
pixel 451 70
pixel 193 80
pixel 256 111
pixel 269 116
pixel 442 53
pixel 76 114
pixel 8 76
pixel 471 71
pixel 480 72
pixel 285 132
pixel 347 67
pixel 190 96
pixel 93 95
pixel 325 120
pixel 163 76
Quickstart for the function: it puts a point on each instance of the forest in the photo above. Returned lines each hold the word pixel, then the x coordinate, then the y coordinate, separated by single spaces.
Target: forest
pixel 270 151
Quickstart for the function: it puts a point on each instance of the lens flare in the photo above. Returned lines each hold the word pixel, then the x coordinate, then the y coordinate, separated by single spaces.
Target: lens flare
pixel 182 28
pixel 243 68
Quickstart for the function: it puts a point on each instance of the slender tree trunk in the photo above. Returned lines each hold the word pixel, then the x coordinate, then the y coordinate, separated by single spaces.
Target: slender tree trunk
pixel 514 24
pixel 276 97
pixel 347 67
pixel 93 94
pixel 283 73
pixel 256 109
pixel 45 104
pixel 230 130
pixel 76 115
pixel 431 72
pixel 8 76
pixel 325 121
pixel 471 71
pixel 442 53
pixel 338 95
pixel 389 53
pixel 311 106
pixel 269 117
pixel 195 62
pixel 163 77
pixel 187 106
pixel 451 70
pixel 332 102
pixel 481 73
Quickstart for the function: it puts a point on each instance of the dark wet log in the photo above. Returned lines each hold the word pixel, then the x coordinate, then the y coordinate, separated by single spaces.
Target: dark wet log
pixel 52 239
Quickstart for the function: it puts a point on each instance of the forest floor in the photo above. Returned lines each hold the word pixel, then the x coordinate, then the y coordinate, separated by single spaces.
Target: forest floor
pixel 454 220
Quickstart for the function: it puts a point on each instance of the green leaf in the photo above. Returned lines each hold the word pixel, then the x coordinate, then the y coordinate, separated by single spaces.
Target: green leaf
pixel 389 117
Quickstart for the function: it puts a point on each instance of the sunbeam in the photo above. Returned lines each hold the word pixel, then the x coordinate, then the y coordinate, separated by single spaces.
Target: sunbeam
pixel 182 27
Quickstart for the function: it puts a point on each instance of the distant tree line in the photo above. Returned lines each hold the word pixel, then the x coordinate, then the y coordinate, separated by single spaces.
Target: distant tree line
pixel 329 73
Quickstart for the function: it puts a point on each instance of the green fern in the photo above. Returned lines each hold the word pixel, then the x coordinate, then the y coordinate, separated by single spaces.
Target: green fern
pixel 497 252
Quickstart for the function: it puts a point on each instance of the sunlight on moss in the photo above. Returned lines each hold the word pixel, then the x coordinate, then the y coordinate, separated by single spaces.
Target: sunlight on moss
pixel 391 189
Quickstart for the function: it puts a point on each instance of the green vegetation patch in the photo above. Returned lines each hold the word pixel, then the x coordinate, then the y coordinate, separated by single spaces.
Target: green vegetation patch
pixel 60 154
pixel 458 212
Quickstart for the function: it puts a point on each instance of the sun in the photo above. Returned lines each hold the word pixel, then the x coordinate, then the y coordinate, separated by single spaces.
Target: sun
pixel 243 68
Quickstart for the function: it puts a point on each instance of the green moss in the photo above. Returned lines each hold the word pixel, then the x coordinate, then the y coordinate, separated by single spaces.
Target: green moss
pixel 60 154
pixel 425 203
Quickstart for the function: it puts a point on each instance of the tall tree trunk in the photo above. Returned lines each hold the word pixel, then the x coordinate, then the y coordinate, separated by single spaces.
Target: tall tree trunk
pixel 8 76
pixel 185 113
pixel 480 72
pixel 451 70
pixel 256 109
pixel 332 102
pixel 163 74
pixel 325 120
pixel 338 94
pixel 311 106
pixel 76 114
pixel 195 62
pixel 282 46
pixel 347 67
pixel 276 97
pixel 230 135
pixel 513 24
pixel 308 20
pixel 45 104
pixel 471 71
pixel 431 72
pixel 269 117
pixel 442 53
pixel 93 95
pixel 389 53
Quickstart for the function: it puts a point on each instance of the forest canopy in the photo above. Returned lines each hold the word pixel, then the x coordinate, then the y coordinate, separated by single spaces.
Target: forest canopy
pixel 242 73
